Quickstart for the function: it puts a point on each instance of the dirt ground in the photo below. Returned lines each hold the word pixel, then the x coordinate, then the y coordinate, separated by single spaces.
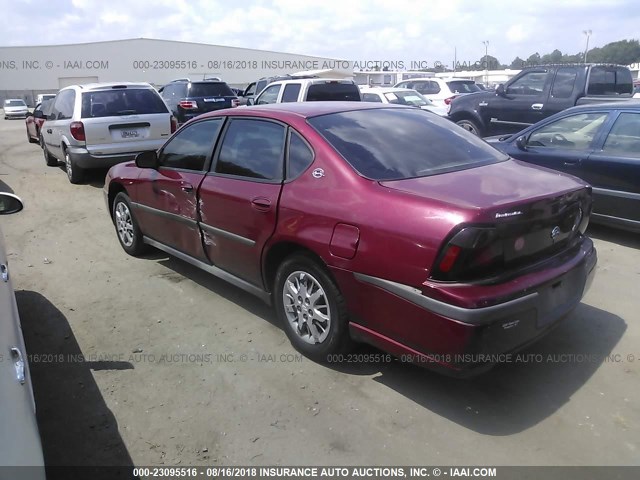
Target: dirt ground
pixel 152 362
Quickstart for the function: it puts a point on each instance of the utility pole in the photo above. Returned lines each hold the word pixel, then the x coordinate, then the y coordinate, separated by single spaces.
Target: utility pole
pixel 486 63
pixel 586 50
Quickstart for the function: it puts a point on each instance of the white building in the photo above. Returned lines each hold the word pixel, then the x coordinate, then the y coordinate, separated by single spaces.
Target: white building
pixel 27 71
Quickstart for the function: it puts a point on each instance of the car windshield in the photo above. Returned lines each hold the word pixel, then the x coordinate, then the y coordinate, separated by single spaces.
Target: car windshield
pixel 130 101
pixel 14 103
pixel 210 89
pixel 407 97
pixel 394 144
pixel 463 86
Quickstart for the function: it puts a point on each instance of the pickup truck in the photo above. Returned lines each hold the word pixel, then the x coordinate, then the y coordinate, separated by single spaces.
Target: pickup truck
pixel 308 90
pixel 537 93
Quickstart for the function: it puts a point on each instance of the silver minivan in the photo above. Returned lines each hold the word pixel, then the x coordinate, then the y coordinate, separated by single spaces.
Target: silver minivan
pixel 102 124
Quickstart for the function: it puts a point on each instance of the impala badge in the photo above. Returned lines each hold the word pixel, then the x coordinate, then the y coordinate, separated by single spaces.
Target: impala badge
pixel 318 173
pixel 555 233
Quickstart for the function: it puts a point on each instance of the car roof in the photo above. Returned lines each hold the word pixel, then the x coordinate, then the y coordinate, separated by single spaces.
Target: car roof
pixel 302 109
pixel 312 80
pixel 631 104
pixel 109 85
pixel 387 90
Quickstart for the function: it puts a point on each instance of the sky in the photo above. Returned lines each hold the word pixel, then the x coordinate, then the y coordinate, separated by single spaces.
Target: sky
pixel 375 30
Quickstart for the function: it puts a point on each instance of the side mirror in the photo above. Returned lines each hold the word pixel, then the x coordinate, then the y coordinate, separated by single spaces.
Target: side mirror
pixel 250 101
pixel 10 203
pixel 38 114
pixel 521 142
pixel 147 159
pixel 500 90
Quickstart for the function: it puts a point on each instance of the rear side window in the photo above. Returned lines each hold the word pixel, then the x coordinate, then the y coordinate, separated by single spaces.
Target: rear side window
pixel 392 144
pixel 210 89
pixel 129 101
pixel 253 149
pixel 461 86
pixel 63 107
pixel 191 146
pixel 333 91
pixel 291 92
pixel 624 138
pixel 300 156
pixel 565 82
pixel 609 81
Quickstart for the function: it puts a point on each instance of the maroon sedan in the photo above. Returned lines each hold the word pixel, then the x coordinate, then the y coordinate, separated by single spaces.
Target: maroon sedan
pixel 376 223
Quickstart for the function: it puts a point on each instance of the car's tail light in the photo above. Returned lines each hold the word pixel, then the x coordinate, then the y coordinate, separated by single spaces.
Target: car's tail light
pixel 188 104
pixel 447 101
pixel 469 253
pixel 77 131
pixel 174 124
pixel 235 102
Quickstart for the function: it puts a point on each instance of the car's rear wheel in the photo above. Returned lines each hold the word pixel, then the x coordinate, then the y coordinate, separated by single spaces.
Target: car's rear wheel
pixel 48 158
pixel 129 234
pixel 74 172
pixel 311 308
pixel 470 126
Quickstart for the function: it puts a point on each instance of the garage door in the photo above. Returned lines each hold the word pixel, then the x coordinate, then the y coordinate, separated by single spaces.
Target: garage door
pixel 66 81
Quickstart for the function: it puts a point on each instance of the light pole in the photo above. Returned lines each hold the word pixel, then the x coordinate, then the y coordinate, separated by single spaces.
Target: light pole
pixel 588 34
pixel 486 63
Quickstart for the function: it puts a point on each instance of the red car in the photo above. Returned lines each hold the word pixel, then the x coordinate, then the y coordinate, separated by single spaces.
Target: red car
pixel 35 120
pixel 358 221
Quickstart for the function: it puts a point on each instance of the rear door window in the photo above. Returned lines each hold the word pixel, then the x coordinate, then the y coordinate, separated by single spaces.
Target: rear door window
pixel 624 137
pixel 333 91
pixel 253 149
pixel 116 102
pixel 564 82
pixel 291 92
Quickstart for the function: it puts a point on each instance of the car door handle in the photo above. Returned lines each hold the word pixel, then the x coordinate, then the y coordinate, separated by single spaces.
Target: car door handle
pixel 187 188
pixel 571 162
pixel 262 204
pixel 537 106
pixel 18 363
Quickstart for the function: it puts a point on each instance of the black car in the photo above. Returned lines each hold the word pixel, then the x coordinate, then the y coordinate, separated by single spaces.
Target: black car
pixel 599 143
pixel 187 99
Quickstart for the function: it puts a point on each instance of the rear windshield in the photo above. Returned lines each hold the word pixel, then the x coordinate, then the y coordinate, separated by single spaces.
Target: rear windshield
pixel 461 86
pixel 399 143
pixel 14 103
pixel 605 80
pixel 333 91
pixel 130 101
pixel 210 89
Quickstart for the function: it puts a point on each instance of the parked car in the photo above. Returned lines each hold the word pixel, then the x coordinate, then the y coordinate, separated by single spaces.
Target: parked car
pixel 440 91
pixel 187 99
pixel 427 249
pixel 15 108
pixel 101 124
pixel 45 96
pixel 598 143
pixel 401 96
pixel 19 437
pixel 255 88
pixel 308 90
pixel 35 120
pixel 537 93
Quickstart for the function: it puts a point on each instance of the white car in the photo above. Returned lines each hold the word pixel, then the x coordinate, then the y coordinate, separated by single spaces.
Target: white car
pixel 308 90
pixel 15 108
pixel 19 437
pixel 440 91
pixel 401 96
pixel 101 124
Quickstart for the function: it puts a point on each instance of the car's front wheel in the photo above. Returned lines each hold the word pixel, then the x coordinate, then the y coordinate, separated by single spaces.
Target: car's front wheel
pixel 311 308
pixel 74 172
pixel 129 234
pixel 470 126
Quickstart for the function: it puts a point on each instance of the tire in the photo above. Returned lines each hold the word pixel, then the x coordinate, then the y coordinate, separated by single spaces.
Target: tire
pixel 50 160
pixel 127 230
pixel 74 173
pixel 327 336
pixel 470 126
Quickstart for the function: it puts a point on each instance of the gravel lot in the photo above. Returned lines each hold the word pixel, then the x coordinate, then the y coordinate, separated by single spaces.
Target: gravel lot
pixel 159 386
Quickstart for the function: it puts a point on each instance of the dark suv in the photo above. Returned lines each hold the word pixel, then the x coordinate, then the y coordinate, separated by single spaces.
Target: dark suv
pixel 187 99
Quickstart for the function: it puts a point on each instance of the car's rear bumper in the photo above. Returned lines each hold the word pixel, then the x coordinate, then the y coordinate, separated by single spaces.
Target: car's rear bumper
pixel 461 340
pixel 87 160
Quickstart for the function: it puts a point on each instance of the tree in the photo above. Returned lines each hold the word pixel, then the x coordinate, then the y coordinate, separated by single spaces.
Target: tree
pixel 623 52
pixel 534 59
pixel 553 57
pixel 517 63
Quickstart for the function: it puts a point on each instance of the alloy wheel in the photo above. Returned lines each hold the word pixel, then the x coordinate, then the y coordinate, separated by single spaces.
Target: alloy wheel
pixel 124 224
pixel 306 307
